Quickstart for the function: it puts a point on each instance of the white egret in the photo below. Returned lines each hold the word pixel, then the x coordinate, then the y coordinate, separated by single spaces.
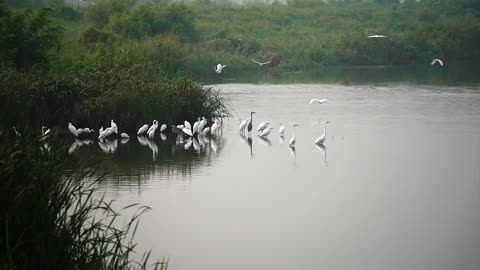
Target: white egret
pixel 87 130
pixel 80 131
pixel 436 60
pixel 250 126
pixel 107 132
pixel 163 127
pixel 243 125
pixel 195 126
pixel 281 130
pixel 18 134
pixel 215 126
pixel 178 131
pixel 323 137
pixel 114 127
pixel 142 129
pixel 262 63
pixel 100 130
pixel 180 126
pixel 262 126
pixel 321 101
pixel 218 69
pixel 124 136
pixel 377 36
pixel 266 132
pixel 201 125
pixel 152 126
pixel 187 124
pixel 187 131
pixel 206 130
pixel 72 129
pixel 293 140
pixel 45 131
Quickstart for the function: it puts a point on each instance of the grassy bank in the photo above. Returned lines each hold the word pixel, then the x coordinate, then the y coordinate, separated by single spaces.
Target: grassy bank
pixel 50 220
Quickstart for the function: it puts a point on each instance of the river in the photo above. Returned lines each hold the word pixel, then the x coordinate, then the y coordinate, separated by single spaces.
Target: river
pixel 395 186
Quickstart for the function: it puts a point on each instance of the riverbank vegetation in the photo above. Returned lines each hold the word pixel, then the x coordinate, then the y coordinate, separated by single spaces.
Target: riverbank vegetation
pixel 52 220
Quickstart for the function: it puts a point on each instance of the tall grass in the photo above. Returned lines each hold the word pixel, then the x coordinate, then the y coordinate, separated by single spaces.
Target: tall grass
pixel 50 219
pixel 133 84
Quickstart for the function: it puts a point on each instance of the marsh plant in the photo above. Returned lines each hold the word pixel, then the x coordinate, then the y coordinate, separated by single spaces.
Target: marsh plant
pixel 51 219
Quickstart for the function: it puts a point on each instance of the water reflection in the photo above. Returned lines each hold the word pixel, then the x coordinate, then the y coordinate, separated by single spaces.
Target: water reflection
pixel 323 149
pixel 265 141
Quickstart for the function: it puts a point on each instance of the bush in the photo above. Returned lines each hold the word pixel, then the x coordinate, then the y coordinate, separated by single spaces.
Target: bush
pixel 154 19
pixel 26 37
pixel 92 36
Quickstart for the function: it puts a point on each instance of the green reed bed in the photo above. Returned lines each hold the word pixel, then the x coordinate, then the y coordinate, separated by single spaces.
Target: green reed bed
pixel 90 96
pixel 50 219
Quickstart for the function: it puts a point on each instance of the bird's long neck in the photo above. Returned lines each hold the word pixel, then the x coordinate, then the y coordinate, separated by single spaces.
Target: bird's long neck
pixel 294 132
pixel 325 129
pixel 251 117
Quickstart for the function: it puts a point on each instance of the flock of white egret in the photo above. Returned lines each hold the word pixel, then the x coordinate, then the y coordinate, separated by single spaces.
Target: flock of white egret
pixel 264 129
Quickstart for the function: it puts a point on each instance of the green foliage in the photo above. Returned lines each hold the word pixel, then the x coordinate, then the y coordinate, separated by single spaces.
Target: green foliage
pixel 25 37
pixel 68 13
pixel 33 3
pixel 153 19
pixel 100 13
pixel 93 36
pixel 50 220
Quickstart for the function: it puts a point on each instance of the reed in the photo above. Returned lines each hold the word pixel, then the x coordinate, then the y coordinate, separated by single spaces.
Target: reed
pixel 52 219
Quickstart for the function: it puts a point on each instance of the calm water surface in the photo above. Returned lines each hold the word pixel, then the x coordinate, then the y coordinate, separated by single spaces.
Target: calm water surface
pixel 396 186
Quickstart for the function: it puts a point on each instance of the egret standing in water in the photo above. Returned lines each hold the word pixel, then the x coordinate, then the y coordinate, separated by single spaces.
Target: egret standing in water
pixel 322 138
pixel 243 125
pixel 114 127
pixel 16 132
pixel 140 130
pixel 45 131
pixel 281 130
pixel 266 132
pixel 72 129
pixel 293 140
pixel 250 126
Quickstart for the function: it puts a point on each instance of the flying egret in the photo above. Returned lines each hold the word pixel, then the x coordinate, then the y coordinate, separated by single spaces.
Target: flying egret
pixel 243 125
pixel 142 129
pixel 72 129
pixel 124 136
pixel 18 134
pixel 218 69
pixel 152 126
pixel 114 127
pixel 163 127
pixel 377 36
pixel 262 126
pixel 322 138
pixel 266 132
pixel 436 60
pixel 293 140
pixel 281 130
pixel 261 64
pixel 321 101
pixel 249 127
